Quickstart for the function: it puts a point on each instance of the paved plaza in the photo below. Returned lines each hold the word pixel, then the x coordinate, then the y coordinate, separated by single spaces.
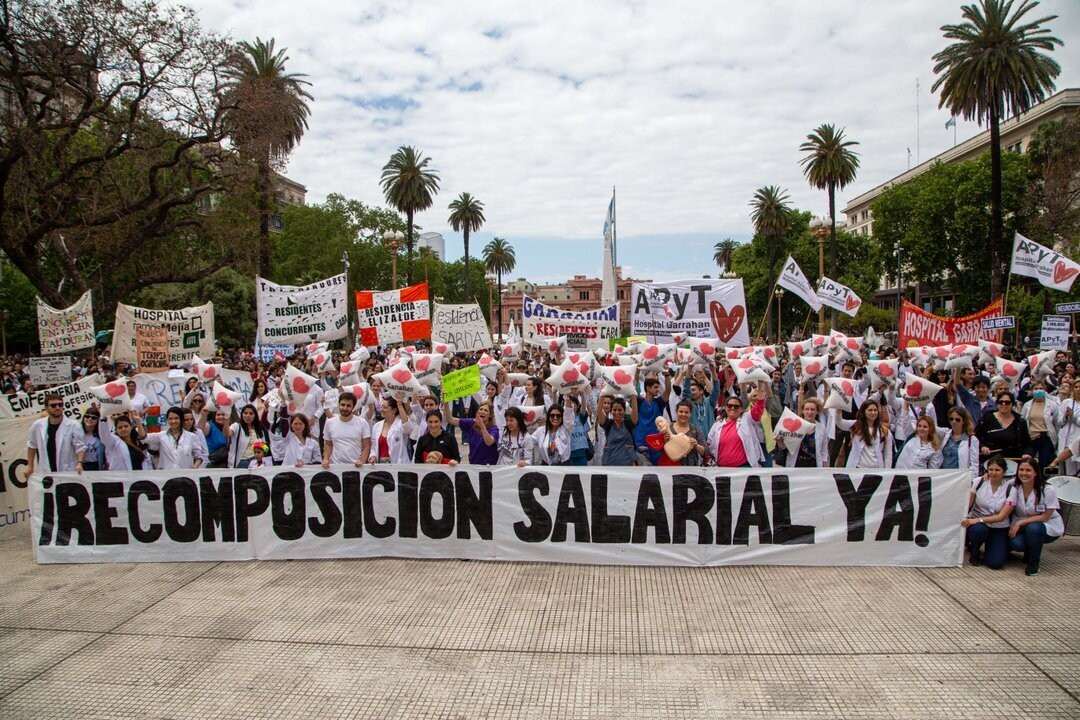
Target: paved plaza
pixel 463 640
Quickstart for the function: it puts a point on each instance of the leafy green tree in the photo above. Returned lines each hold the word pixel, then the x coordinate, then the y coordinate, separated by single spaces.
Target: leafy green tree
pixel 992 70
pixel 466 215
pixel 499 258
pixel 18 297
pixel 724 253
pixel 939 223
pixel 1053 191
pixel 410 187
pixel 266 116
pixel 771 216
pixel 829 164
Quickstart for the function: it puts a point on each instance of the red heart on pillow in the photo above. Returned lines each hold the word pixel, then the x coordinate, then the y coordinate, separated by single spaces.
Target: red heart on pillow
pixel 530 415
pixel 885 370
pixel 848 388
pixel 401 375
pixel 209 371
pixel 320 359
pixel 423 363
pixel 622 377
pixel 746 364
pixel 583 367
pixel 300 385
pixel 570 375
pixel 797 352
pixel 486 360
pixel 441 348
pixel 852 344
pixel 820 340
pixel 507 350
pixel 732 354
pixel 813 368
pixel 706 348
pixel 1009 370
pixel 792 424
pixel 769 352
pixel 115 389
pixel 292 409
pixel 914 388
pixel 941 352
pixel 574 357
pixel 222 398
pixel 553 346
pixel 651 352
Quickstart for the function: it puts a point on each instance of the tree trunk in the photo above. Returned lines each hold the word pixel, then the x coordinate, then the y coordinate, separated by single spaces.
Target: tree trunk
pixel 264 182
pixel 468 293
pixel 408 247
pixel 995 206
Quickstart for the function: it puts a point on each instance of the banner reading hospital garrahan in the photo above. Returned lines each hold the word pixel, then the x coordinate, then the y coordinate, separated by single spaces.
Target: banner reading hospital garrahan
pixel 191 331
pixel 297 315
pixel 584 329
pixel 613 516
pixel 703 308
pixel 918 327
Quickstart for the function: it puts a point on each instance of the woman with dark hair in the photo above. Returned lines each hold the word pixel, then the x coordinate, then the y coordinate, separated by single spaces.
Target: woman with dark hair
pixel 534 393
pixel 871 440
pixel 123 450
pixel 515 445
pixel 1035 520
pixel 243 435
pixel 989 507
pixel 177 448
pixel 94 457
pixel 190 384
pixel 218 433
pixel 437 442
pixel 297 447
pixel 553 439
pixel 390 435
pixel 482 434
pixel 1004 431
pixel 960 450
pixel 260 389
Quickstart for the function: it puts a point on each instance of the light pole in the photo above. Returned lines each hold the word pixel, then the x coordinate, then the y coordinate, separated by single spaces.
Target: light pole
pixel 819 228
pixel 490 278
pixel 779 307
pixel 392 240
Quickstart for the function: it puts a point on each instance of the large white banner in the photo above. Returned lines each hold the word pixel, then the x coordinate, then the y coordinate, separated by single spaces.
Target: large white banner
pixel 584 329
pixel 672 516
pixel 462 327
pixel 191 331
pixel 1030 259
pixel 311 313
pixel 702 308
pixel 166 389
pixel 67 330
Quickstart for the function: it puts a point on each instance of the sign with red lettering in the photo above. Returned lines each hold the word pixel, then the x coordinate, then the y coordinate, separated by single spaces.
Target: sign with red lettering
pixel 918 327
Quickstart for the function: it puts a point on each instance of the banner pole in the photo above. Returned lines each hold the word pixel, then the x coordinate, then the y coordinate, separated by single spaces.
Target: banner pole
pixel 1005 302
pixel 809 314
pixel 768 308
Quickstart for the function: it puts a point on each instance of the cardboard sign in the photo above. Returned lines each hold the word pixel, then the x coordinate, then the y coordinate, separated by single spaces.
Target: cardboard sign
pixel 461 383
pixel 1055 332
pixel 462 327
pixel 50 370
pixel 152 349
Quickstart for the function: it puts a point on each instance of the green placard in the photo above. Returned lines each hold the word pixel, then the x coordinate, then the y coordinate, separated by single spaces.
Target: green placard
pixel 460 383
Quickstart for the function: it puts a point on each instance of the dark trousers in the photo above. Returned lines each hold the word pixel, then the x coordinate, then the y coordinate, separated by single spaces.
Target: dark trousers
pixel 837 444
pixel 995 540
pixel 1030 541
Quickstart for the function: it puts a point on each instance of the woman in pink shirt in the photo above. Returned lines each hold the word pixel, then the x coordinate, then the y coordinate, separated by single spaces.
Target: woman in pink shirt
pixel 732 440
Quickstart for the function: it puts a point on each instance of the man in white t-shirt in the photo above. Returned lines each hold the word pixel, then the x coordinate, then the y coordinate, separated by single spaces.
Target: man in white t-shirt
pixel 347 437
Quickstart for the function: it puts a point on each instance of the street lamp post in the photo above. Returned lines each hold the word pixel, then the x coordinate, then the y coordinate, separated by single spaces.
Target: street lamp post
pixel 392 240
pixel 779 307
pixel 819 228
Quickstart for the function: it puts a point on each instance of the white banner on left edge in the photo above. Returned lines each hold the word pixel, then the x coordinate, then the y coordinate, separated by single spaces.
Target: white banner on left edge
pixel 619 516
pixel 312 313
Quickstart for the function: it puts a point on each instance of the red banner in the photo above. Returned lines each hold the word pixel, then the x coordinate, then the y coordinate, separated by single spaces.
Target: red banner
pixel 918 327
pixel 393 316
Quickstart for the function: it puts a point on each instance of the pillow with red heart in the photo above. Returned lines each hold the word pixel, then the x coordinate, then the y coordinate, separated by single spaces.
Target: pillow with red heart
pixel 628 359
pixel 938 356
pixel 566 377
pixel 636 346
pixel 618 380
pixel 989 351
pixel 1042 364
pixel 349 372
pixel 749 370
pixel 313 348
pixel 442 348
pixel 585 361
pixel 685 356
pixel 362 391
pixel 517 379
pixel 510 350
pixel 360 355
pixel 767 352
pixel 1009 371
pixel 206 372
pixel 813 368
pixel 962 357
pixel 427 367
pixel 323 361
pixel 553 346
pixel 225 398
pixel 790 429
pixel 883 373
pixel 654 357
pixel 797 349
pixel 849 349
pixel 534 415
pixel 841 393
pixel 918 391
pixel 399 381
pixel 821 344
pixel 296 387
pixel 679 338
pixel 112 397
pixel 489 366
pixel 703 350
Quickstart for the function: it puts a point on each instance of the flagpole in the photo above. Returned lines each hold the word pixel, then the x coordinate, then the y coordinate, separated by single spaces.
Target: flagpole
pixel 1005 302
pixel 614 240
pixel 809 314
pixel 768 308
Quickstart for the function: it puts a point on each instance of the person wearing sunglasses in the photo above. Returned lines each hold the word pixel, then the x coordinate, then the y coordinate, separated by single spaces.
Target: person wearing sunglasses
pixel 94 457
pixel 56 440
pixel 1004 431
pixel 961 448
pixel 733 439
pixel 553 439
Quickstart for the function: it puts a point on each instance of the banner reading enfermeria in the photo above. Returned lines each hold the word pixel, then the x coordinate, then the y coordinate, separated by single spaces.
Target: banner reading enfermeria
pixel 548 514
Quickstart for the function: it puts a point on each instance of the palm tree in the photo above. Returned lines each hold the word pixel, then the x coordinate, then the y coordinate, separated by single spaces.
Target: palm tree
pixel 995 68
pixel 828 166
pixel 466 215
pixel 724 254
pixel 265 112
pixel 410 187
pixel 772 217
pixel 499 258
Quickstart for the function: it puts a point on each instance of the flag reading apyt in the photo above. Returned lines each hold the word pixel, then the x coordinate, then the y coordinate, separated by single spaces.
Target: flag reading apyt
pixel 1052 269
pixel 312 313
pixel 838 296
pixel 393 316
pixel 792 278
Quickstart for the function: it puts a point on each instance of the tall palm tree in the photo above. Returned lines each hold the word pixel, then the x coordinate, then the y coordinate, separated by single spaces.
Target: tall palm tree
pixel 772 217
pixel 499 258
pixel 466 215
pixel 829 165
pixel 995 68
pixel 724 254
pixel 410 187
pixel 266 114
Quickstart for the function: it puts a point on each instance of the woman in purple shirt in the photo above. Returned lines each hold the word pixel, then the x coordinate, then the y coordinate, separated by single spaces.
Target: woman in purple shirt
pixel 482 433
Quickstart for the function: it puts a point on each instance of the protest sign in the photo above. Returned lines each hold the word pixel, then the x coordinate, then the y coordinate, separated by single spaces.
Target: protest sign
pixel 393 316
pixel 76 397
pixel 267 352
pixel 191 330
pixel 50 370
pixel 460 383
pixel 584 329
pixel 1030 259
pixel 152 349
pixel 67 330
pixel 918 327
pixel 462 327
pixel 1055 332
pixel 702 308
pixel 839 297
pixel 622 516
pixel 166 389
pixel 302 314
pixel 792 278
pixel 14 501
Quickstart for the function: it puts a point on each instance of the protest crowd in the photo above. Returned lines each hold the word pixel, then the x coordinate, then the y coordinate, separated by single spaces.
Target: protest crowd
pixel 828 401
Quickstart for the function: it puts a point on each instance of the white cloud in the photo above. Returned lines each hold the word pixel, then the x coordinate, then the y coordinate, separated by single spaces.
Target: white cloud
pixel 539 109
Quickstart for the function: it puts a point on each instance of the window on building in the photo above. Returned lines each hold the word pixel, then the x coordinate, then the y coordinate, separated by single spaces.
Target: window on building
pixel 621 294
pixel 583 294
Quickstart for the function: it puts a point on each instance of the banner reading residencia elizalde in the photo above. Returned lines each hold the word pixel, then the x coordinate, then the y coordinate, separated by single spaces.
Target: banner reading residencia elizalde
pixel 665 516
pixel 311 313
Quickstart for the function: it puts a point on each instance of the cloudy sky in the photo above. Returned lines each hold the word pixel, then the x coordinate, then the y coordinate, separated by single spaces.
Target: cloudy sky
pixel 539 109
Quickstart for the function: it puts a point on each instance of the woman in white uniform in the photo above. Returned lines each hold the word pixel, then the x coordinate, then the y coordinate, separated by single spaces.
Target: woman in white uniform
pixel 989 507
pixel 1035 520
